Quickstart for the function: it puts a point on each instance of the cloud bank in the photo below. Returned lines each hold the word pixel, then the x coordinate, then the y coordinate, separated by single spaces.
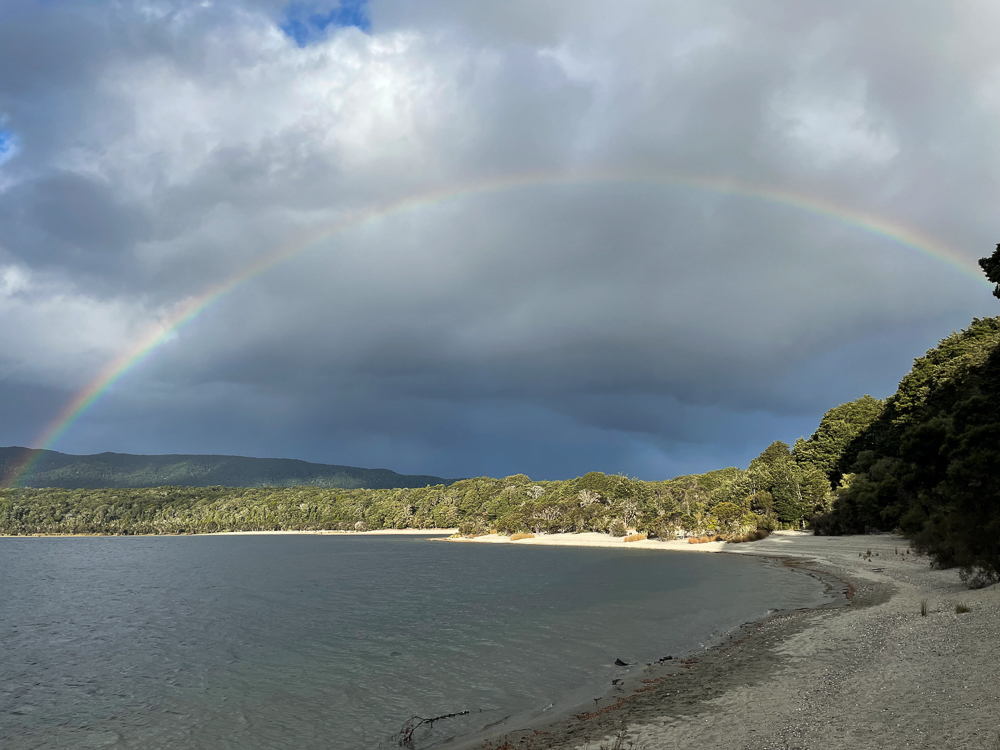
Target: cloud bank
pixel 151 150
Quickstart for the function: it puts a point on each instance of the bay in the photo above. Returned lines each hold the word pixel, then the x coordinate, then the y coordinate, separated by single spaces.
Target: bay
pixel 334 641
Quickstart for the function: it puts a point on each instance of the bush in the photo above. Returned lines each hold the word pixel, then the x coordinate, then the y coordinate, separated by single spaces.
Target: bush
pixel 978 578
pixel 664 532
pixel 617 528
pixel 470 529
pixel 750 536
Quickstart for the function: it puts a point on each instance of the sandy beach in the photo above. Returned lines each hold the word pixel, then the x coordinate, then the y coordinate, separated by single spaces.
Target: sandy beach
pixel 593 539
pixel 871 673
pixel 376 532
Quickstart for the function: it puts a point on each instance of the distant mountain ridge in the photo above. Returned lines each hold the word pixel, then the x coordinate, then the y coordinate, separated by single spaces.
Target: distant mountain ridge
pixel 120 470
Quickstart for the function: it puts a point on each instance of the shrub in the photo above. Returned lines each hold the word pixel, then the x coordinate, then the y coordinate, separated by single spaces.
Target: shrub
pixel 664 532
pixel 705 539
pixel 750 536
pixel 617 528
pixel 978 578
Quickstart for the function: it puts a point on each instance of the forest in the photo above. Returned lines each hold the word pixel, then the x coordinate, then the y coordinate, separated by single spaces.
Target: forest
pixel 782 488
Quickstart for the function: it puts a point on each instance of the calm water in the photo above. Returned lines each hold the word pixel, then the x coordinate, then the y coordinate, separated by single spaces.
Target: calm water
pixel 333 642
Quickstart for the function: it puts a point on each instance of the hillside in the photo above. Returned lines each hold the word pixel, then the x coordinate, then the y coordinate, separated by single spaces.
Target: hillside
pixel 118 470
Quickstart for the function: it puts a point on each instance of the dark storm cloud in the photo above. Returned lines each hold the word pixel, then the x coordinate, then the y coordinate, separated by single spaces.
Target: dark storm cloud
pixel 553 329
pixel 63 216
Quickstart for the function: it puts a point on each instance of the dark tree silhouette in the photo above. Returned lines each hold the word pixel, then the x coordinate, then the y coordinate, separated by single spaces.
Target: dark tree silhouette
pixel 991 267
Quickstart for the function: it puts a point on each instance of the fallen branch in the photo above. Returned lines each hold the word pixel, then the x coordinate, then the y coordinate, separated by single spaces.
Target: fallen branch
pixel 405 735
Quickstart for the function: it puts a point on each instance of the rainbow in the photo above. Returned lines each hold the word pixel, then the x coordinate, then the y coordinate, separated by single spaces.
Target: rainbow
pixel 188 310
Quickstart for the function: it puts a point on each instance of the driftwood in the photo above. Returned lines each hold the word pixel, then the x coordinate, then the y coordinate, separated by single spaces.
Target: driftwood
pixel 405 735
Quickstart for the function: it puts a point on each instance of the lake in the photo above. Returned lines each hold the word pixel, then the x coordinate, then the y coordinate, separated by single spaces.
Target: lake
pixel 334 641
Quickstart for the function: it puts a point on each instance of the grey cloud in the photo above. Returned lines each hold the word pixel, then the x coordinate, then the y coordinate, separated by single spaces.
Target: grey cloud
pixel 68 216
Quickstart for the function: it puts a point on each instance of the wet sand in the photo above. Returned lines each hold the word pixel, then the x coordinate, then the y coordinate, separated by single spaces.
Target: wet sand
pixel 872 673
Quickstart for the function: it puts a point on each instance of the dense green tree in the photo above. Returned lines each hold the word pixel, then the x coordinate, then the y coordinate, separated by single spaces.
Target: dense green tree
pixel 837 431
pixel 991 267
pixel 777 474
pixel 728 515
pixel 775 454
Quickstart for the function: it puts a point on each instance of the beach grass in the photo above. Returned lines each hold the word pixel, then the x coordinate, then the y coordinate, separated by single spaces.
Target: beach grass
pixel 961 609
pixel 705 539
pixel 515 537
pixel 750 536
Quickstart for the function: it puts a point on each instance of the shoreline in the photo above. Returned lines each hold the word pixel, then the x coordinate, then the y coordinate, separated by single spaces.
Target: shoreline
pixel 376 532
pixel 869 672
pixel 594 539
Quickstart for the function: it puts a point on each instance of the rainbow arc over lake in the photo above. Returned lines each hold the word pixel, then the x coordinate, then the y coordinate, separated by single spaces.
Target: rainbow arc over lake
pixel 898 233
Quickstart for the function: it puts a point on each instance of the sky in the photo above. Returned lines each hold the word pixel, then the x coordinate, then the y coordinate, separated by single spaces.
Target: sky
pixel 483 238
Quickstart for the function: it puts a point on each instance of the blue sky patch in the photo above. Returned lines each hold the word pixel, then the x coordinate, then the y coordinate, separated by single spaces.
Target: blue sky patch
pixel 306 24
pixel 8 145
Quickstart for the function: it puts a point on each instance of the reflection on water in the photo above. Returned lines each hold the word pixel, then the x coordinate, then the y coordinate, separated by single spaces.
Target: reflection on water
pixel 334 641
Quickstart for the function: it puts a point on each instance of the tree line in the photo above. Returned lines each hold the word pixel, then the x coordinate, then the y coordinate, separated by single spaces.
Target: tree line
pixel 781 488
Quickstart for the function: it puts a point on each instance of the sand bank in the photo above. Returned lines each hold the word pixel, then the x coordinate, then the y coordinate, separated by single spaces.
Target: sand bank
pixel 377 532
pixel 872 674
pixel 594 539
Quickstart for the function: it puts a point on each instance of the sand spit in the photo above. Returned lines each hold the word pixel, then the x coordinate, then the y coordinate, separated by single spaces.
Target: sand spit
pixel 594 539
pixel 377 532
pixel 872 674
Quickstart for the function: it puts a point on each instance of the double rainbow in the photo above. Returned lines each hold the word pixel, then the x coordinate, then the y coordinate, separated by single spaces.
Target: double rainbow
pixel 188 310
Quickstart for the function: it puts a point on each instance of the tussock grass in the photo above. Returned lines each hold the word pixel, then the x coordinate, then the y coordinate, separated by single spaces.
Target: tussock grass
pixel 515 537
pixel 634 538
pixel 961 609
pixel 923 608
pixel 705 539
pixel 750 536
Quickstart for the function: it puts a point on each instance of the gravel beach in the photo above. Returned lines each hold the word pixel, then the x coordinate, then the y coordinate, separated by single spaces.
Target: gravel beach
pixel 871 673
